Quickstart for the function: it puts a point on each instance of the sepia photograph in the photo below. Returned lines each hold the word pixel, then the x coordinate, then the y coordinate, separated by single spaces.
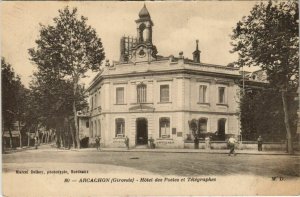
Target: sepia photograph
pixel 150 98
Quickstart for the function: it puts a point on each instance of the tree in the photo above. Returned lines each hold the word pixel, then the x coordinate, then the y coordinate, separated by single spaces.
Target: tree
pixel 52 102
pixel 262 114
pixel 268 38
pixel 13 98
pixel 71 47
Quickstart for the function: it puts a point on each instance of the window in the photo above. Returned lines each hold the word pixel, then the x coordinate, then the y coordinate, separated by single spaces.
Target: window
pixel 120 95
pixel 202 94
pixel 221 94
pixel 203 125
pixel 120 127
pixel 164 93
pixel 164 127
pixel 141 93
pixel 87 124
pixel 221 128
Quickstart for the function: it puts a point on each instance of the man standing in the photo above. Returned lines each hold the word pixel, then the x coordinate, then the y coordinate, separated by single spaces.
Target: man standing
pixel 127 142
pixel 231 143
pixel 259 143
pixel 97 142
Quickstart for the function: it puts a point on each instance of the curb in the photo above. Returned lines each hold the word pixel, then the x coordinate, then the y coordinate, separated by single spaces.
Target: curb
pixel 164 151
pixel 152 151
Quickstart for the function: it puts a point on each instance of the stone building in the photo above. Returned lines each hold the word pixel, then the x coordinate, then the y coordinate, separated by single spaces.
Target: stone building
pixel 145 95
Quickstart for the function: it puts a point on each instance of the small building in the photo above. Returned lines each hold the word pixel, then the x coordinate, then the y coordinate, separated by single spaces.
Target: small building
pixel 145 95
pixel 14 136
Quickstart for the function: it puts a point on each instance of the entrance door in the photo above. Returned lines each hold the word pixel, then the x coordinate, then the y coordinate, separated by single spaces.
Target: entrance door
pixel 221 128
pixel 141 131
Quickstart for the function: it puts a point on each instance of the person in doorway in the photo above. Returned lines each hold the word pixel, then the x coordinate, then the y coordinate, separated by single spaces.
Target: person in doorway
pixel 97 140
pixel 231 143
pixel 259 143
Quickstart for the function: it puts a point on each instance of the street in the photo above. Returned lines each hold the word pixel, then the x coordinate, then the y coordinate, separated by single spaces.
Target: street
pixel 164 164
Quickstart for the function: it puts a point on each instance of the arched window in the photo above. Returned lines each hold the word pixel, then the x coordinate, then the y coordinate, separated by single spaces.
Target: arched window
pixel 141 93
pixel 120 127
pixel 141 32
pixel 164 127
pixel 221 128
pixel 203 125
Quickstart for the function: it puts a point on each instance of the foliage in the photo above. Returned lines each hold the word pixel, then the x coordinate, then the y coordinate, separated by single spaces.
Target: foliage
pixel 262 114
pixel 268 38
pixel 13 96
pixel 68 49
pixel 52 101
pixel 70 45
pixel 193 124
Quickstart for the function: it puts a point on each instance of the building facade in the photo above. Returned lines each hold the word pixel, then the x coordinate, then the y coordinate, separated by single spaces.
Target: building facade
pixel 145 95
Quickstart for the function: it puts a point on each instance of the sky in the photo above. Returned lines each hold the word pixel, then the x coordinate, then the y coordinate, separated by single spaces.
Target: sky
pixel 177 25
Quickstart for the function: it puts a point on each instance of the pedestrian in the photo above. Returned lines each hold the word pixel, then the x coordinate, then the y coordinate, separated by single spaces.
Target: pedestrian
pixel 98 142
pixel 231 143
pixel 127 142
pixel 36 142
pixel 207 142
pixel 152 145
pixel 259 143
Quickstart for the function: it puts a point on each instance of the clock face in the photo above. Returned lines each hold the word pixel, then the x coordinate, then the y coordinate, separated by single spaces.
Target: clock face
pixel 142 52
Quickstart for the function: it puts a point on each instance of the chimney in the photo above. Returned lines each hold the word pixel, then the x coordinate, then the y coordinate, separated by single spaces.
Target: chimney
pixel 196 53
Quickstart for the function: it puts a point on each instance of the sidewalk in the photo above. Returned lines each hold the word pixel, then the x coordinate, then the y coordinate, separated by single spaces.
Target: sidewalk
pixel 221 151
pixel 51 147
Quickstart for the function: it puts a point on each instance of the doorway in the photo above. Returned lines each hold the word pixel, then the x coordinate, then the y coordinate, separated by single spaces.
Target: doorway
pixel 221 128
pixel 141 131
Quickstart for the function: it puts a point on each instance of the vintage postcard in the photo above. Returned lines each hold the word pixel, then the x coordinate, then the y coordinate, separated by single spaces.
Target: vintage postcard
pixel 182 98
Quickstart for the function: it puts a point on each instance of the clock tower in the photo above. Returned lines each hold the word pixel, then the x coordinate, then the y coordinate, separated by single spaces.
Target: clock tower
pixel 143 50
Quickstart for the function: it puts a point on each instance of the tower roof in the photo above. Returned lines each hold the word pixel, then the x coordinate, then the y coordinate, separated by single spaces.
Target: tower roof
pixel 144 13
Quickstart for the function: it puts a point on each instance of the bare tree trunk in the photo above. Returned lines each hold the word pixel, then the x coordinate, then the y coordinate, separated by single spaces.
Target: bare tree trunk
pixel 75 113
pixel 28 139
pixel 72 132
pixel 10 138
pixel 57 136
pixel 46 137
pixel 287 124
pixel 61 136
pixel 21 145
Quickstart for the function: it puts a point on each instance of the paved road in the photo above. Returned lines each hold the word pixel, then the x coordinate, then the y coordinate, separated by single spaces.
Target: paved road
pixel 179 164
